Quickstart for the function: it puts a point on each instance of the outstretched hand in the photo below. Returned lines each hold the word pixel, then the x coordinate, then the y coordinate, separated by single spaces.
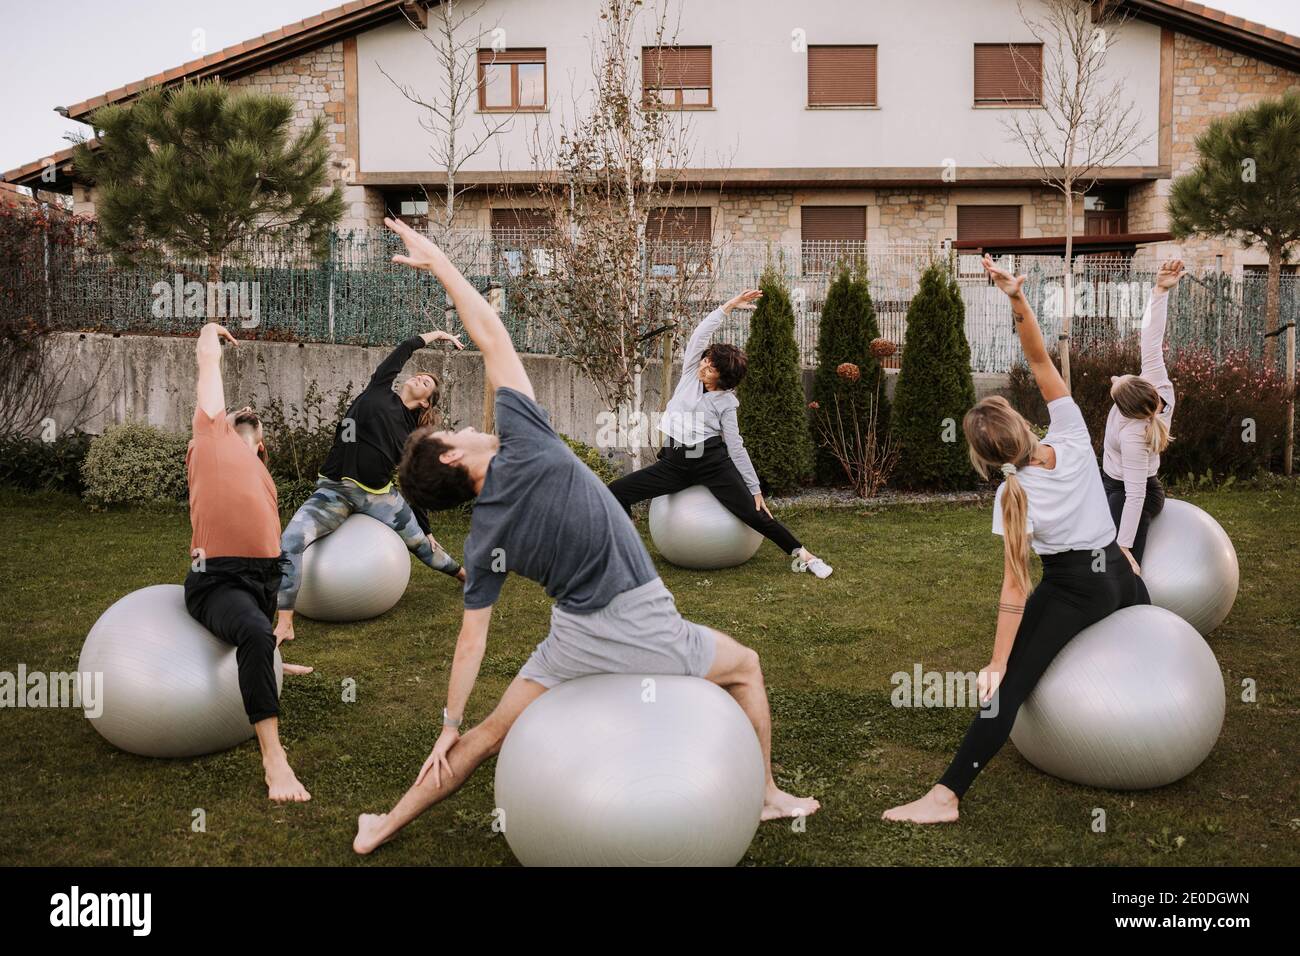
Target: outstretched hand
pixel 1004 280
pixel 421 251
pixel 1171 270
pixel 745 300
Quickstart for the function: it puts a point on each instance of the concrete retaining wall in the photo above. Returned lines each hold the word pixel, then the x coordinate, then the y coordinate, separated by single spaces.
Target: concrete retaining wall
pixel 151 378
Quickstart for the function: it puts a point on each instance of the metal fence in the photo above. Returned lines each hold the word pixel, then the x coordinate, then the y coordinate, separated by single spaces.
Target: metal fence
pixel 354 294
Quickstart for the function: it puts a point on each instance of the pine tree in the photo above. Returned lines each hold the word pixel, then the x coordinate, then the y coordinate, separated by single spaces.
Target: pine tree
pixel 935 388
pixel 187 172
pixel 847 328
pixel 773 412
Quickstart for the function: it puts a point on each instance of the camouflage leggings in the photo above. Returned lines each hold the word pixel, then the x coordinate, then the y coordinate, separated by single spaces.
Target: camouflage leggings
pixel 327 508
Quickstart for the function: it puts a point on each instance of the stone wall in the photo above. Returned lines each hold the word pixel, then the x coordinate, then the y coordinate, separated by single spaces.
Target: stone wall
pixel 1209 82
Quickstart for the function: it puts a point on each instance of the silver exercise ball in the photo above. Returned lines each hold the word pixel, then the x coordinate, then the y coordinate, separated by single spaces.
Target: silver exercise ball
pixel 631 770
pixel 693 530
pixel 358 571
pixel 1190 566
pixel 1133 702
pixel 170 689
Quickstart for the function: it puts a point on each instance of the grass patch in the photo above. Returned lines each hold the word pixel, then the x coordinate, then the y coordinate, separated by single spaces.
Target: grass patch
pixel 912 583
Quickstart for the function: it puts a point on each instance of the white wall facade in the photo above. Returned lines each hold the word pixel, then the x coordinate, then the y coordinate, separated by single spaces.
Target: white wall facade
pixel 760 118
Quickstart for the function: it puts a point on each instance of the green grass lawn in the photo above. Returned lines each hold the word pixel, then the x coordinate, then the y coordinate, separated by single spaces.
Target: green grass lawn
pixel 912 584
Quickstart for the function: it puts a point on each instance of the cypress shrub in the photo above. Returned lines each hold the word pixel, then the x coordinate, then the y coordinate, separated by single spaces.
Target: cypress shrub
pixel 847 328
pixel 773 412
pixel 935 388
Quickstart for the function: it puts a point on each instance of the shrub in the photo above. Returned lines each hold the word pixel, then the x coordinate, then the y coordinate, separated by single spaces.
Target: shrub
pixel 35 465
pixel 773 413
pixel 1215 400
pixel 605 469
pixel 935 388
pixel 844 335
pixel 298 438
pixel 135 463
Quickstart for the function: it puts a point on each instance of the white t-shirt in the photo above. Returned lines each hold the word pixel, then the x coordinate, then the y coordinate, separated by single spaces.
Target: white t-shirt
pixel 1067 504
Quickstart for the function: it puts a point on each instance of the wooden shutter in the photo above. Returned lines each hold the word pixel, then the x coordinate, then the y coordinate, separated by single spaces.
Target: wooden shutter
pixel 988 222
pixel 514 220
pixel 677 67
pixel 824 223
pixel 512 56
pixel 679 224
pixel 1009 73
pixel 842 76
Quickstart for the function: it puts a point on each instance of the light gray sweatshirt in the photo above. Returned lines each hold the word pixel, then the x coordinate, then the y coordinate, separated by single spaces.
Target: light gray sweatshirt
pixel 695 414
pixel 1125 455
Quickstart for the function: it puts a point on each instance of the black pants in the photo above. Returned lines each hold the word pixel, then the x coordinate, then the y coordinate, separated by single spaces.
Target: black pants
pixel 706 464
pixel 1152 506
pixel 1077 590
pixel 235 599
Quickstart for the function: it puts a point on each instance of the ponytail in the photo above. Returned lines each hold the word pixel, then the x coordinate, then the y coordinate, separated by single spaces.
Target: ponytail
pixel 1015 537
pixel 430 417
pixel 1158 437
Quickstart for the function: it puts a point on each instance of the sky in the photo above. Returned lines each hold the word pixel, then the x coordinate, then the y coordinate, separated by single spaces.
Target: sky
pixel 100 45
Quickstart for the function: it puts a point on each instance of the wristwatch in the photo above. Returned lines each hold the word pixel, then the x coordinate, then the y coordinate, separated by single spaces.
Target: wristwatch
pixel 449 721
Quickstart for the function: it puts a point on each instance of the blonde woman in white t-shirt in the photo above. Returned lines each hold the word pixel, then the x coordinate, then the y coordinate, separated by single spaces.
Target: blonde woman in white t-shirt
pixel 1051 500
pixel 1137 428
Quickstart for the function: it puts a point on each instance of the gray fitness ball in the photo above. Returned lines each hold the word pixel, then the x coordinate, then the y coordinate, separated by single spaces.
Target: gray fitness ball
pixel 170 689
pixel 692 529
pixel 631 770
pixel 1190 566
pixel 356 572
pixel 1133 702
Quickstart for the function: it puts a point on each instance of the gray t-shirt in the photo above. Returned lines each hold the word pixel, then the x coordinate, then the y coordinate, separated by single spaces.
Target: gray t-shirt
pixel 544 514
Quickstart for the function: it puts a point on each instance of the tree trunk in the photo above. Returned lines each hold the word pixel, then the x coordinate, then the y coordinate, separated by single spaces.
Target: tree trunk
pixel 1272 305
pixel 1067 318
pixel 214 285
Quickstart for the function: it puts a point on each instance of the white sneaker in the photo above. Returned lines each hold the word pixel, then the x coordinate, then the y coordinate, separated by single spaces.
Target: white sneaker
pixel 820 568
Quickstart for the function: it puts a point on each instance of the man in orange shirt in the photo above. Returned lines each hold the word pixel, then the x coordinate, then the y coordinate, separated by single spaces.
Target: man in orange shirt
pixel 235 575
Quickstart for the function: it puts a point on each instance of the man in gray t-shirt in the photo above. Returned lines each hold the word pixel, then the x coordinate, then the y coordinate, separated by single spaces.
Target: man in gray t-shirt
pixel 541 513
pixel 585 551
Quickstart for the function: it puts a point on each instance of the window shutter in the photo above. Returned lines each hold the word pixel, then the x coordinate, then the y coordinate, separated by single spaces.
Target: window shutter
pixel 508 222
pixel 1008 72
pixel 677 67
pixel 512 56
pixel 842 76
pixel 679 224
pixel 826 223
pixel 988 222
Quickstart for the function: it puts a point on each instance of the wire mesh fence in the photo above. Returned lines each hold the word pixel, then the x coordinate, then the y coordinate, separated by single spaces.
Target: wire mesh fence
pixel 351 292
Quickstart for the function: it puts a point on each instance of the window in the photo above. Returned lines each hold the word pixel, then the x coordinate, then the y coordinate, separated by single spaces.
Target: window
pixel 677 77
pixel 832 234
pixel 988 222
pixel 511 80
pixel 1008 74
pixel 842 76
pixel 411 208
pixel 678 236
pixel 519 235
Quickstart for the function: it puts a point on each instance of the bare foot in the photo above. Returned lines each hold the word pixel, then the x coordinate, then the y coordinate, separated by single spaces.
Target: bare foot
pixel 281 783
pixel 368 837
pixel 298 669
pixel 284 627
pixel 777 804
pixel 937 806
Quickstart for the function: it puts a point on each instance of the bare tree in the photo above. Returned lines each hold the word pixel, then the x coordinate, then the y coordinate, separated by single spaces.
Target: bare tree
pixel 454 33
pixel 609 291
pixel 1086 122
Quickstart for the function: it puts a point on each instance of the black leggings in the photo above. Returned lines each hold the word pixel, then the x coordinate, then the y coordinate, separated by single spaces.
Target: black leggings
pixel 235 599
pixel 707 464
pixel 1152 506
pixel 1071 596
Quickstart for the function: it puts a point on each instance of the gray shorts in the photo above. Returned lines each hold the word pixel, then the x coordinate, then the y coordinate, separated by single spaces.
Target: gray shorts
pixel 639 632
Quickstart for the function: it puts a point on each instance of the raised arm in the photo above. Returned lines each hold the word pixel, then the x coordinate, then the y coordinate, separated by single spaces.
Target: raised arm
pixel 1049 380
pixel 485 328
pixel 699 340
pixel 388 369
pixel 211 393
pixel 1155 321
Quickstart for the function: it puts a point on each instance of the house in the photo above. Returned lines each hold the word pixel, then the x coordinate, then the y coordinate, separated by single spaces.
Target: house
pixel 836 121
